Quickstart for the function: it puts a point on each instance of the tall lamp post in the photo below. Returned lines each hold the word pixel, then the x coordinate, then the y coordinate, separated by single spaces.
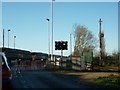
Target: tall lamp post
pixel 3 39
pixel 48 37
pixel 14 41
pixel 52 26
pixel 8 37
pixel 70 46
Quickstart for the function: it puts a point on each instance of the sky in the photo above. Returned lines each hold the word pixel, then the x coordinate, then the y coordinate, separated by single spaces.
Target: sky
pixel 27 21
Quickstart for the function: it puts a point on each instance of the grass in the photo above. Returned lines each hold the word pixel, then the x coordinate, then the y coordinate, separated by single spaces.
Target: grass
pixel 112 81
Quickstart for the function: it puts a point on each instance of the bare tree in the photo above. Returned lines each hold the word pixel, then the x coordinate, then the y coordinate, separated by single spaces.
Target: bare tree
pixel 84 40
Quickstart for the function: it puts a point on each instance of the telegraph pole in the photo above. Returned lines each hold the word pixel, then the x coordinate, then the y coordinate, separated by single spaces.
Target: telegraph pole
pixel 101 41
pixel 100 62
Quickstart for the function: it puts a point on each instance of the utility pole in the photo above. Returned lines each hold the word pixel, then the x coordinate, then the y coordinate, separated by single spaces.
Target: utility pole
pixel 102 45
pixel 100 57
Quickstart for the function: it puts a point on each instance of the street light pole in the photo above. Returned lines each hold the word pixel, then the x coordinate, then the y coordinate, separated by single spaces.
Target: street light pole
pixel 8 37
pixel 48 37
pixel 70 47
pixel 14 41
pixel 52 27
pixel 3 39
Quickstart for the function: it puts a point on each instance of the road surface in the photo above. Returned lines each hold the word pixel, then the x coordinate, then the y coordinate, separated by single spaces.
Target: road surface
pixel 44 79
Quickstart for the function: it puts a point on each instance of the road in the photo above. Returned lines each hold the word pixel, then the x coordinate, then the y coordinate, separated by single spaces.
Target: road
pixel 44 79
pixel 41 79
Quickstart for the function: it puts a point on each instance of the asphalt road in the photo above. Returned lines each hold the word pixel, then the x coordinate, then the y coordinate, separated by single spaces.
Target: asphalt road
pixel 44 79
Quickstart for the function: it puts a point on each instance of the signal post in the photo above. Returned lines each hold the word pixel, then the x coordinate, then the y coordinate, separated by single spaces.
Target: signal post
pixel 61 45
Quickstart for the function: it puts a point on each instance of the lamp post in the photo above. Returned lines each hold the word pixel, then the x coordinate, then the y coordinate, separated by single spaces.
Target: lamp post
pixel 8 37
pixel 3 39
pixel 52 27
pixel 70 47
pixel 48 37
pixel 14 41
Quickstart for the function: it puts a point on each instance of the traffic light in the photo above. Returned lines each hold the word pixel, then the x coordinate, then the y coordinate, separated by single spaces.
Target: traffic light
pixel 57 45
pixel 61 45
pixel 64 45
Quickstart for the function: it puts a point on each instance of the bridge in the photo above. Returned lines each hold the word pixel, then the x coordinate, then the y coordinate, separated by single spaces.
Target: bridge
pixel 13 54
pixel 27 60
pixel 30 59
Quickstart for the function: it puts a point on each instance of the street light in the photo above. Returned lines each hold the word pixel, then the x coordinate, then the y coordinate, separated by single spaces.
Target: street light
pixel 3 39
pixel 52 26
pixel 71 45
pixel 48 36
pixel 8 37
pixel 14 41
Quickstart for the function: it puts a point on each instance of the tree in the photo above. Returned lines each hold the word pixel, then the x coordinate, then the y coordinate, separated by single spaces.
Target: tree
pixel 84 40
pixel 115 58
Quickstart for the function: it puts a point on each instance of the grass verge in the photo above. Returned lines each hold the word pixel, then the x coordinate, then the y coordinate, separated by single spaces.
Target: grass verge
pixel 112 81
